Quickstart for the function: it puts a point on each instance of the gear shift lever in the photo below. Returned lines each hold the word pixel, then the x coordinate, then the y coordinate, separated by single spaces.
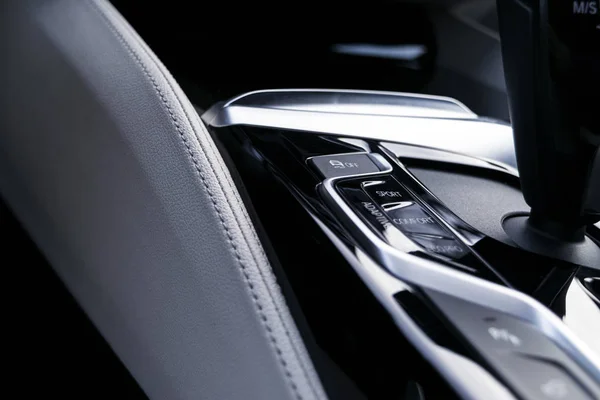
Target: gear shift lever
pixel 551 55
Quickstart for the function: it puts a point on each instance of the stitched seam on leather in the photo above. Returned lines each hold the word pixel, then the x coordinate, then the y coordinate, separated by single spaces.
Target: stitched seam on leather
pixel 310 380
pixel 261 251
pixel 177 126
pixel 242 208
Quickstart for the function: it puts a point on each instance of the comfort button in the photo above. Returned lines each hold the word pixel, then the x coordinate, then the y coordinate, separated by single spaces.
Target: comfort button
pixel 409 217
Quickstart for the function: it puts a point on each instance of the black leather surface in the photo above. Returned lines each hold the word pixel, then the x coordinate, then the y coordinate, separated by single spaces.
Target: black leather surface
pixel 112 173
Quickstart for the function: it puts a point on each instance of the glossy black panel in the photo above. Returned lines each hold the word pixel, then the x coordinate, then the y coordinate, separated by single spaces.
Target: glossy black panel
pixel 538 276
pixel 411 229
pixel 349 325
pixel 351 329
pixel 425 314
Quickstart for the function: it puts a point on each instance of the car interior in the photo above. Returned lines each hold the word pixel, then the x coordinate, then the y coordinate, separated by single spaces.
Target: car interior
pixel 312 200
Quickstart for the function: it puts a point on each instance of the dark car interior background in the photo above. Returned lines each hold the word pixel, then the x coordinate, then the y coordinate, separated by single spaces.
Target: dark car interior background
pixel 425 220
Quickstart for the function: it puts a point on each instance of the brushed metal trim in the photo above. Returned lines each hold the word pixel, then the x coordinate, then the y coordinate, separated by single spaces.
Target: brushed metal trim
pixel 427 121
pixel 447 132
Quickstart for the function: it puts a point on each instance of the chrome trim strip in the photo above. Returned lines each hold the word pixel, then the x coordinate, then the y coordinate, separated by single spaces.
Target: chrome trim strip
pixel 412 119
pixel 384 116
pixel 430 275
pixel 355 102
pixel 439 129
pixel 425 153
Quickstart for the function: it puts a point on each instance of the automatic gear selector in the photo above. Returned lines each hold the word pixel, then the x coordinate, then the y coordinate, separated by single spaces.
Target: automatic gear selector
pixel 551 62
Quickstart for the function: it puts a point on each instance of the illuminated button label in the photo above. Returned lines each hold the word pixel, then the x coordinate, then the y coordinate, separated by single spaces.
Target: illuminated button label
pixel 343 165
pixel 413 221
pixel 410 217
pixel 374 211
pixel 444 249
pixel 388 193
pixel 503 335
pixel 440 245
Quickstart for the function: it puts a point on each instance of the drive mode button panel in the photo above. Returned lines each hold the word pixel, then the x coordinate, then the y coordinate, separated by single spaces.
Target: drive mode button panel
pixel 408 216
pixel 402 210
pixel 391 211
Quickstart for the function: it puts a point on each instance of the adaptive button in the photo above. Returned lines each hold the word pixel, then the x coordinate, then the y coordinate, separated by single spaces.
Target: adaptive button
pixel 539 379
pixel 365 207
pixel 344 164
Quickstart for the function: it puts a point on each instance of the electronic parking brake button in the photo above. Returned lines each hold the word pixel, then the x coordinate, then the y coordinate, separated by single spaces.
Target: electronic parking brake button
pixel 365 207
pixel 493 332
pixel 533 365
pixel 337 165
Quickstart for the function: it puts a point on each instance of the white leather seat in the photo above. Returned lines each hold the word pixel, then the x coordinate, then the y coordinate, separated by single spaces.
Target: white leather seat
pixel 108 166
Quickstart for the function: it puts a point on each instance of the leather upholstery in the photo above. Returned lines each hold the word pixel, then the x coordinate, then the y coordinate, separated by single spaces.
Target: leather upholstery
pixel 111 171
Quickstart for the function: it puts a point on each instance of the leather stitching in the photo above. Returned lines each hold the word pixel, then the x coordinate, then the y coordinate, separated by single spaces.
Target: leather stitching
pixel 254 235
pixel 179 129
pixel 262 253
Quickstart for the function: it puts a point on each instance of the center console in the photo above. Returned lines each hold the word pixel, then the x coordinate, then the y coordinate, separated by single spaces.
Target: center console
pixel 384 216
pixel 431 253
